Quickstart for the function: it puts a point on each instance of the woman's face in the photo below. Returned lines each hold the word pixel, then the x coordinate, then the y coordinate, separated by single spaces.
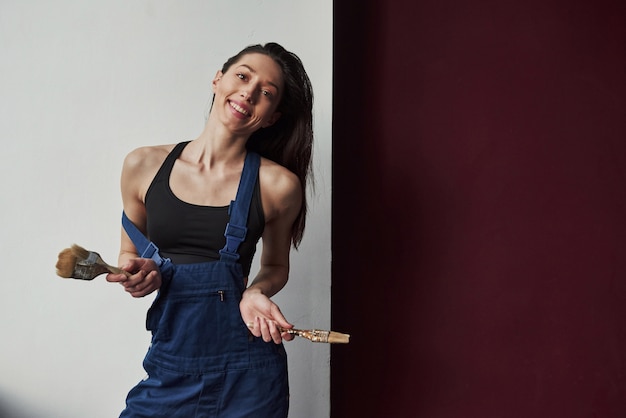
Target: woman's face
pixel 248 93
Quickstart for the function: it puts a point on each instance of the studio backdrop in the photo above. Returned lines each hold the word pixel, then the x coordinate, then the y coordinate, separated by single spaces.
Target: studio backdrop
pixel 81 85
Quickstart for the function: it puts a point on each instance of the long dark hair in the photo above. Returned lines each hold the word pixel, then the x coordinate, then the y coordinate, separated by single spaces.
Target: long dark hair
pixel 289 141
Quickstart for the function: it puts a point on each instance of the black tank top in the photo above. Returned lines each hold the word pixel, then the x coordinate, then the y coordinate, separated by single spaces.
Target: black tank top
pixel 188 233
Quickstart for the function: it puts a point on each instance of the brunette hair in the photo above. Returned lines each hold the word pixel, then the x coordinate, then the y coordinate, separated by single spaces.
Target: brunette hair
pixel 289 141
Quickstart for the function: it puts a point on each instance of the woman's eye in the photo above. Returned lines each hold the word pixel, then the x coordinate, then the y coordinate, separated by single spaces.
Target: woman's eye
pixel 241 76
pixel 266 93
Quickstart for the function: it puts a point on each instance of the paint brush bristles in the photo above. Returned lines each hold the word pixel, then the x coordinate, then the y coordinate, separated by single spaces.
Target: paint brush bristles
pixel 79 263
pixel 338 338
pixel 65 263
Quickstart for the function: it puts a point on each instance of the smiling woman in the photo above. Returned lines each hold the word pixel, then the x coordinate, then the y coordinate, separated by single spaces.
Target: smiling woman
pixel 204 204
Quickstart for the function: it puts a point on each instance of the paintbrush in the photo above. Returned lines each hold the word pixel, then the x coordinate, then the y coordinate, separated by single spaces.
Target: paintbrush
pixel 315 335
pixel 79 263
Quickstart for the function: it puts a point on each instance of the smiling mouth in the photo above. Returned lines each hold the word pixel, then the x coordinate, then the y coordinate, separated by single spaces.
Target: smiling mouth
pixel 238 108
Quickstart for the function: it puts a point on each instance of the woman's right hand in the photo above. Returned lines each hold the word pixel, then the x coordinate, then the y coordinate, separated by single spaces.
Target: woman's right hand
pixel 145 277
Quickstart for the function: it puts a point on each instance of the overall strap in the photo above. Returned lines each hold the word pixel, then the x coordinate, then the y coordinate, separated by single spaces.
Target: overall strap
pixel 145 248
pixel 236 229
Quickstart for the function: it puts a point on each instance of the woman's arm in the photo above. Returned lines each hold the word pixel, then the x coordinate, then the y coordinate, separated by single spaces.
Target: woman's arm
pixel 281 197
pixel 139 168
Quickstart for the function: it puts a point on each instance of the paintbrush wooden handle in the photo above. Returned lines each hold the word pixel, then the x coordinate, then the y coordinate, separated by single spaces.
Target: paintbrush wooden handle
pixel 116 270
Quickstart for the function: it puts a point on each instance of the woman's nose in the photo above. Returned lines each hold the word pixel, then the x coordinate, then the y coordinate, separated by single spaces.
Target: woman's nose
pixel 246 95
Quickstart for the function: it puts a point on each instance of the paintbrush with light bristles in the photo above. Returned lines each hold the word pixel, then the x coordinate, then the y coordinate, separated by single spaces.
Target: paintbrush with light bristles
pixel 316 335
pixel 320 336
pixel 79 263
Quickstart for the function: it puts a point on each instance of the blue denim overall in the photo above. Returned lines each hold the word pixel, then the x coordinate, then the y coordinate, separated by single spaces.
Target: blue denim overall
pixel 203 361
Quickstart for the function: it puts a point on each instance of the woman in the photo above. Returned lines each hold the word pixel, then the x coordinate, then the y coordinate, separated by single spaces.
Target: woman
pixel 193 213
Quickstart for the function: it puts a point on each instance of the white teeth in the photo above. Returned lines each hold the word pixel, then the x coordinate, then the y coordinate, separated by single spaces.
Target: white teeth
pixel 238 108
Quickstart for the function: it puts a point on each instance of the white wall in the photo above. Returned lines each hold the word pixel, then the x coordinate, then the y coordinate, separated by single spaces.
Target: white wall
pixel 82 84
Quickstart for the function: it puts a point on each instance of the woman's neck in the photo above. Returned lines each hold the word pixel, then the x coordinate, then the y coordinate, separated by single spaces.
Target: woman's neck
pixel 216 145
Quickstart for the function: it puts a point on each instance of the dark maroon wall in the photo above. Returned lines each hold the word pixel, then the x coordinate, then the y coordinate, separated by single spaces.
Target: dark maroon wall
pixel 479 205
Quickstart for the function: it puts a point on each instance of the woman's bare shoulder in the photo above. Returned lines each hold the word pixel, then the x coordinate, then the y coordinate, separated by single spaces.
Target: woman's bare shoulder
pixel 146 158
pixel 280 188
pixel 275 174
pixel 140 167
pixel 148 155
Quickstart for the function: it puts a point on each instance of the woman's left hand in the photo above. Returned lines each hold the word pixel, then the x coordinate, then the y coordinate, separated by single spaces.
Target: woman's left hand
pixel 263 317
pixel 145 277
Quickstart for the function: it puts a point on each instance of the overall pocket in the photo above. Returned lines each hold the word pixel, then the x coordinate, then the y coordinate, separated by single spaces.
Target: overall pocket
pixel 198 314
